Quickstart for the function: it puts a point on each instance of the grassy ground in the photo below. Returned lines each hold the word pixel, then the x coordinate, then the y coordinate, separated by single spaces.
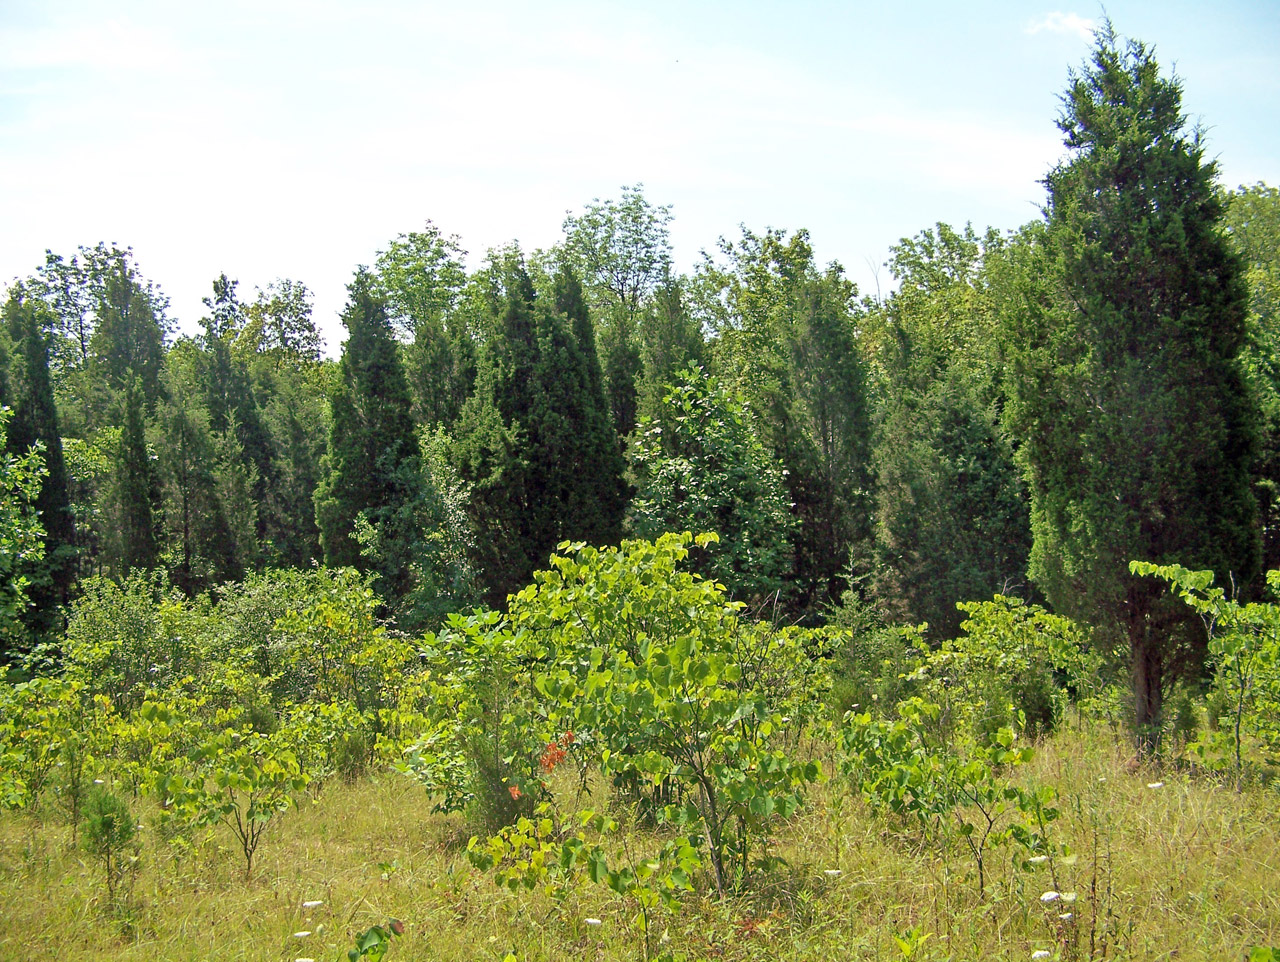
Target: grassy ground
pixel 1187 870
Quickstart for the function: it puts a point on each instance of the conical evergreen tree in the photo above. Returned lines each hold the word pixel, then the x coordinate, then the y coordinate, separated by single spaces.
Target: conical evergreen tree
pixel 372 446
pixel 590 458
pixel 1136 426
pixel 29 390
pixel 536 443
pixel 136 489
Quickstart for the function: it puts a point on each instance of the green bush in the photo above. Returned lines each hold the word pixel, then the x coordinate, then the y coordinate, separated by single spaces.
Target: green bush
pixel 108 832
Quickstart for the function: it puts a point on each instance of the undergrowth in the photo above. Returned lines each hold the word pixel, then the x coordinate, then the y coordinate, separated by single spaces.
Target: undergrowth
pixel 1149 863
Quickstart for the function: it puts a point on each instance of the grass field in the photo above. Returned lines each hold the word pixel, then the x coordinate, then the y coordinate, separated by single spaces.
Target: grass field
pixel 1188 870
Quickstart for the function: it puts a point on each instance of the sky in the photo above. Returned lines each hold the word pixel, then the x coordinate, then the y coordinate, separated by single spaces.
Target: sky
pixel 297 139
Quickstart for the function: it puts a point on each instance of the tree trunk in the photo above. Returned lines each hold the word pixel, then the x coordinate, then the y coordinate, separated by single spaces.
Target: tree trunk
pixel 1147 668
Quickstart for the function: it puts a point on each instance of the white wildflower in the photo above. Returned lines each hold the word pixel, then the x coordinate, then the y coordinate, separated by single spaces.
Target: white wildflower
pixel 1155 784
pixel 832 872
pixel 593 921
pixel 313 904
pixel 1067 916
pixel 1041 954
pixel 1050 897
pixel 1038 859
pixel 302 935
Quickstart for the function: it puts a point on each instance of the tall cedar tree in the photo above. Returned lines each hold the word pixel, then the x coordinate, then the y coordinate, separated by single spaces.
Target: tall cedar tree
pixel 1136 426
pixel 536 443
pixel 786 336
pixel 203 547
pixel 952 520
pixel 228 386
pixel 136 490
pixel 372 448
pixel 128 343
pixel 29 391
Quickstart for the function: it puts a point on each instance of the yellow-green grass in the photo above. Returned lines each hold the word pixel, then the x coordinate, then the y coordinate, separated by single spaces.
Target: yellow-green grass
pixel 1188 870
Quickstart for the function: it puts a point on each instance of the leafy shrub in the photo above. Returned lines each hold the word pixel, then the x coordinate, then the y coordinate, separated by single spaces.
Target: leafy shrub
pixel 482 751
pixel 1244 649
pixel 1016 666
pixel 124 640
pixel 242 780
pixel 668 686
pixel 952 791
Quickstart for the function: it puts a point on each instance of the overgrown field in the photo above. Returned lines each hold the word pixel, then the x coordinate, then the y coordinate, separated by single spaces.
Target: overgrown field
pixel 624 766
pixel 1184 871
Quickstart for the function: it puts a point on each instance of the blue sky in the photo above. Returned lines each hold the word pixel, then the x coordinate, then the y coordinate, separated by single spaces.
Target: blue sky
pixel 295 139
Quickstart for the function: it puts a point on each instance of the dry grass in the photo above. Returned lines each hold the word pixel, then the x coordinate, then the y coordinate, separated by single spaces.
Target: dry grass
pixel 1188 870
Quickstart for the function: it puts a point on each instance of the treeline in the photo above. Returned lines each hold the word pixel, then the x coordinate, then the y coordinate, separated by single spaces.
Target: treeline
pixel 1025 413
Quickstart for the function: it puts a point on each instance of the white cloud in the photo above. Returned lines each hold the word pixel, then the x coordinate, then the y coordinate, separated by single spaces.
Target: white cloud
pixel 1068 23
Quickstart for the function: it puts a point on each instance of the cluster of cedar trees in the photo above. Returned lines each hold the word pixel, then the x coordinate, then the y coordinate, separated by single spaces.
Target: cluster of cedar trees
pixel 1025 412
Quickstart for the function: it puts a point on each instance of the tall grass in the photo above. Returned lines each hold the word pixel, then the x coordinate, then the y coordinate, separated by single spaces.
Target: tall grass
pixel 1189 869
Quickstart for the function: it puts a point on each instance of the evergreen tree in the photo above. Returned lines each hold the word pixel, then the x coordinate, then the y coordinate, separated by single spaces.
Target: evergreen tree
pixel 201 552
pixel 785 338
pixel 372 448
pixel 1127 392
pixel 294 416
pixel 28 389
pixel 128 341
pixel 586 457
pixel 228 385
pixel 136 490
pixel 534 440
pixel 670 342
pixel 952 520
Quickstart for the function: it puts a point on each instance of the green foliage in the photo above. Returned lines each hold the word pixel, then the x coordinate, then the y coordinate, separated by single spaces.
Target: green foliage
pixel 21 536
pixel 202 546
pixel 242 779
pixel 702 467
pixel 108 831
pixel 1127 392
pixel 374 943
pixel 422 276
pixel 279 324
pixel 951 513
pixel 372 459
pixel 1252 227
pixel 330 649
pixel 34 728
pixel 1018 658
pixel 542 853
pixel 125 639
pixel 622 251
pixel 533 443
pixel 949 792
pixel 942 760
pixel 674 691
pixel 1244 650
pixel 34 427
pixel 132 542
pixel 483 752
pixel 787 337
